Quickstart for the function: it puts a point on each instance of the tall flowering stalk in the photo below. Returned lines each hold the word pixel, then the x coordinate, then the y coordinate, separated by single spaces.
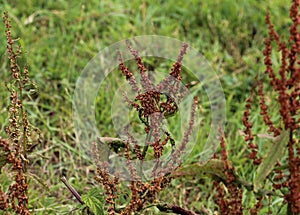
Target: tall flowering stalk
pixel 17 129
pixel 286 83
pixel 14 150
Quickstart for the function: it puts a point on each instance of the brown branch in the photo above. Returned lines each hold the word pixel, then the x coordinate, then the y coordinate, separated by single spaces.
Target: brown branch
pixel 72 190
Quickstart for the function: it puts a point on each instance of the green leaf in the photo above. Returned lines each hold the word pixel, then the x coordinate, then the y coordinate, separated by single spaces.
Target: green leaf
pixel 274 153
pixel 213 167
pixel 94 200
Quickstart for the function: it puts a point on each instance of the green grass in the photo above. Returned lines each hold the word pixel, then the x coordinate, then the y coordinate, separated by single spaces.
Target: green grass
pixel 59 39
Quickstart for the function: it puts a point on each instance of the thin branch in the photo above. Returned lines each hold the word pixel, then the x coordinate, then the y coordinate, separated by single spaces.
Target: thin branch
pixel 72 190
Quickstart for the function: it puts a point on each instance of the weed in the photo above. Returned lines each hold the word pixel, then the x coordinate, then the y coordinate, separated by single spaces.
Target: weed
pixel 15 149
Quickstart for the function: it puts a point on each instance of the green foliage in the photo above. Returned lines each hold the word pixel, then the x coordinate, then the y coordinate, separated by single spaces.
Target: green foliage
pixel 213 168
pixel 94 201
pixel 277 148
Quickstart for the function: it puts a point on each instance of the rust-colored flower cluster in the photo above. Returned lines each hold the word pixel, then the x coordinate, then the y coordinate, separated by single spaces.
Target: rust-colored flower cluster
pixel 230 203
pixel 152 105
pixel 286 83
pixel 110 186
pixel 15 148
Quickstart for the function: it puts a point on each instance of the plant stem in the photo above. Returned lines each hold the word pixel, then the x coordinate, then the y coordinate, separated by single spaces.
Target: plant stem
pixel 72 190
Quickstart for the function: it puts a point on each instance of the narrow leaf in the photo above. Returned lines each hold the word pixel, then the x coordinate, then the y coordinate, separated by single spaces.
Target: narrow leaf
pixel 37 179
pixel 214 167
pixel 274 153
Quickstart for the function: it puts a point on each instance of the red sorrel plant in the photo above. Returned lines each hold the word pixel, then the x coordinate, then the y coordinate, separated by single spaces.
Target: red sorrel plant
pixel 285 83
pixel 15 148
pixel 280 165
pixel 152 106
